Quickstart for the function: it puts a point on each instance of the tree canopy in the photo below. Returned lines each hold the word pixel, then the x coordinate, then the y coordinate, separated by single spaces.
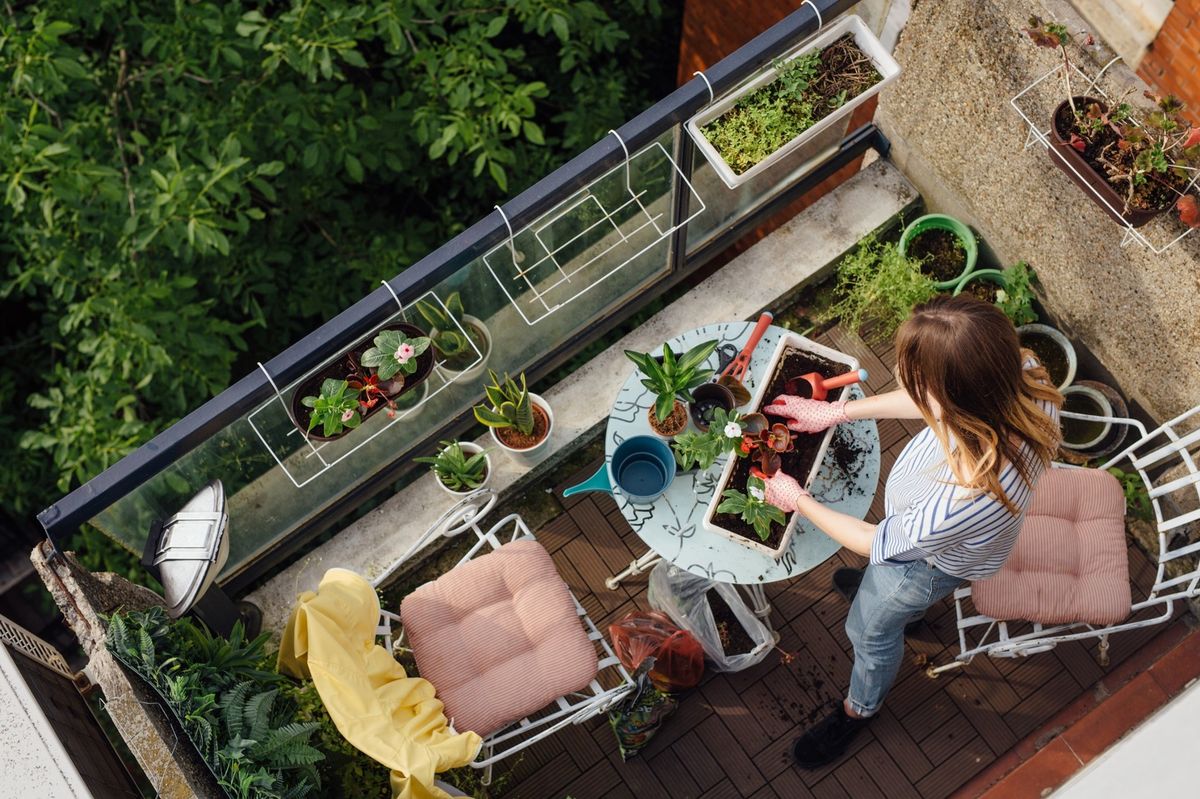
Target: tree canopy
pixel 189 186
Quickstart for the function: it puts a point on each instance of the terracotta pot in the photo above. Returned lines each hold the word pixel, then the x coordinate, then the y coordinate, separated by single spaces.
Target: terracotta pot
pixel 1094 186
pixel 675 424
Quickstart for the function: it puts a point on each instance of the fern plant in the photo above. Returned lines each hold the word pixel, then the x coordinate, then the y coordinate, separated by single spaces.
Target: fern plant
pixel 508 404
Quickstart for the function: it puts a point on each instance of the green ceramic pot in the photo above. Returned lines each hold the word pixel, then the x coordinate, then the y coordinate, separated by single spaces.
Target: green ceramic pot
pixel 993 276
pixel 943 222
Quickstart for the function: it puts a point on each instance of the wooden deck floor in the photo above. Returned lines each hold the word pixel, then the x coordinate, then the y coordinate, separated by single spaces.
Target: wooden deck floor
pixel 731 736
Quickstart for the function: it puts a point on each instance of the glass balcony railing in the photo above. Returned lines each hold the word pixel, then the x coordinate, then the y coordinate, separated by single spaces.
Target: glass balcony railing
pixel 542 277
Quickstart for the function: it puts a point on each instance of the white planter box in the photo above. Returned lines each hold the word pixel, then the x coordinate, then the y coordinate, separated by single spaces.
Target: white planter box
pixel 788 341
pixel 887 67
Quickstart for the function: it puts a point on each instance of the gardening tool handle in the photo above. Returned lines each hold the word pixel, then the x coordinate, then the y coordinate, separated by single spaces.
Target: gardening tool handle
pixel 847 379
pixel 739 364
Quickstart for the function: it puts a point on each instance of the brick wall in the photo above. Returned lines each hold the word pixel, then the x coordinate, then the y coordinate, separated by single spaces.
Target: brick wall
pixel 1172 62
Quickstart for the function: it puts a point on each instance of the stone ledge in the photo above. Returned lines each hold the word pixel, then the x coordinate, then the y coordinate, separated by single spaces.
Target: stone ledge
pixel 803 249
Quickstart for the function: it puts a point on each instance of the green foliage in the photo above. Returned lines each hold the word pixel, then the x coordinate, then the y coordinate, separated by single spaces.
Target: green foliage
pixel 673 379
pixel 227 700
pixel 455 469
pixel 877 289
pixel 752 508
pixel 1137 498
pixel 703 448
pixel 444 324
pixel 188 187
pixel 1016 298
pixel 394 353
pixel 345 771
pixel 335 409
pixel 509 404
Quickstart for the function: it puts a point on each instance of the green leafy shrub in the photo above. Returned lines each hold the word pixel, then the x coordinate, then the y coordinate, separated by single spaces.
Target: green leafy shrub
pixel 752 508
pixel 877 288
pixel 1137 498
pixel 1016 298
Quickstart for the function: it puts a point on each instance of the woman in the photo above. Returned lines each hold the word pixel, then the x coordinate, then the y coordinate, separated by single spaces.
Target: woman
pixel 954 500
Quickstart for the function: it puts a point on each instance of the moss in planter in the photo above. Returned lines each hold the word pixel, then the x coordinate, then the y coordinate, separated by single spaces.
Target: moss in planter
pixel 807 89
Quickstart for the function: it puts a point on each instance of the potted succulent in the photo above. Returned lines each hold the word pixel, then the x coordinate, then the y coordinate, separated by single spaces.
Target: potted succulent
pixel 672 382
pixel 793 101
pixel 462 342
pixel 1134 169
pixel 1053 349
pixel 945 247
pixel 519 422
pixel 460 467
pixel 399 358
pixel 702 448
pixel 335 410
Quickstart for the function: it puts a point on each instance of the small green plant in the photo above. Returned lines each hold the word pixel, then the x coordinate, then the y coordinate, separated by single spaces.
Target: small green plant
pixel 724 435
pixel 767 443
pixel 752 508
pixel 508 404
pixel 455 469
pixel 877 288
pixel 1016 298
pixel 335 409
pixel 394 353
pixel 673 379
pixel 454 347
pixel 1137 498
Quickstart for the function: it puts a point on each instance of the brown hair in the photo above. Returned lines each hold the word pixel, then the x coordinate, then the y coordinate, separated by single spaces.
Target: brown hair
pixel 964 354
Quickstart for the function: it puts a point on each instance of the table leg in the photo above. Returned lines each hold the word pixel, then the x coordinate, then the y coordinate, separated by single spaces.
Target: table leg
pixel 760 606
pixel 635 567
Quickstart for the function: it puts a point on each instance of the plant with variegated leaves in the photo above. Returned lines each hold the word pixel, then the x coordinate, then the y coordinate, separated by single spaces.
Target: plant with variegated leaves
pixel 508 404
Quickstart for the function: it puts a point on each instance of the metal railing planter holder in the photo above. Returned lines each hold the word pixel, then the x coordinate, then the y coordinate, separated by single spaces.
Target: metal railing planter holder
pixel 882 61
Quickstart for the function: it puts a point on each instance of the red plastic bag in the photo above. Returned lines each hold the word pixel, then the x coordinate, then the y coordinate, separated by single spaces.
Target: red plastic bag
pixel 680 658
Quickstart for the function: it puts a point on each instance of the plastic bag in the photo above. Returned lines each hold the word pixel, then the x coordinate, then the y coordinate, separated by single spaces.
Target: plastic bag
pixel 638 718
pixel 684 597
pixel 679 656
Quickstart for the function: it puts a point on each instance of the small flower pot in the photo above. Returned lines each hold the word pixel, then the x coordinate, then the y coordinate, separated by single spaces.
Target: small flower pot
pixel 451 374
pixel 1082 435
pixel 1053 349
pixel 706 399
pixel 982 284
pixel 470 448
pixel 673 425
pixel 941 222
pixel 534 451
pixel 1118 432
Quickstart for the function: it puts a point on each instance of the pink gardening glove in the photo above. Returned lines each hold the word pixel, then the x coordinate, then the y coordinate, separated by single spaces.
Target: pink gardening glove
pixel 807 415
pixel 784 492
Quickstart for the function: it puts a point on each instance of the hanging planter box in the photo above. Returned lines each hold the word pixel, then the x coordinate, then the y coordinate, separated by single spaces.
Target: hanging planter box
pixel 794 355
pixel 852 25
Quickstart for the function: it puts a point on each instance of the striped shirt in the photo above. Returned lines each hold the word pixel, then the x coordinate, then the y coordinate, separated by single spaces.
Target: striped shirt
pixel 963 532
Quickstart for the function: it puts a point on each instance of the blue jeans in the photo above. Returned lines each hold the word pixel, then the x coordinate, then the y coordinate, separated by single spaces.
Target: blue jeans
pixel 891 596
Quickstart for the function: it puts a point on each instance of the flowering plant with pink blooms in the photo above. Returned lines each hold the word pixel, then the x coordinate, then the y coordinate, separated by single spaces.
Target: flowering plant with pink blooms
pixel 394 353
pixel 335 409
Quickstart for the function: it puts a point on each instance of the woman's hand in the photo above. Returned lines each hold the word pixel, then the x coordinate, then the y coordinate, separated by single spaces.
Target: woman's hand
pixel 807 415
pixel 784 492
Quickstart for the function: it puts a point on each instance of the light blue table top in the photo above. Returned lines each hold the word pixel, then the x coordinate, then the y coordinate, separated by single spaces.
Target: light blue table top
pixel 673 525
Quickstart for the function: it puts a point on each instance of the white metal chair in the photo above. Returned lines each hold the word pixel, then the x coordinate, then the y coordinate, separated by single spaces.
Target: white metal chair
pixel 1165 461
pixel 611 683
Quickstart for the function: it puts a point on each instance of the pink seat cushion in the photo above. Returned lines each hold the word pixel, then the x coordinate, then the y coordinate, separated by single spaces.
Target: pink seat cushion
pixel 499 637
pixel 1069 563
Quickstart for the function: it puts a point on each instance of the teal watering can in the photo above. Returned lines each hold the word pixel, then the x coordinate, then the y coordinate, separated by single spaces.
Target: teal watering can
pixel 642 467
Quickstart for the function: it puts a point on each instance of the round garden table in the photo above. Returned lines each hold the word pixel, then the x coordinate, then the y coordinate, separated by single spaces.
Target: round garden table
pixel 672 526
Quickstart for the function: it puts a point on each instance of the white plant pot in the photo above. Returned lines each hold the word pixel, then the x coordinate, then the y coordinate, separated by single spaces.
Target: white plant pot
pixel 538 452
pixel 1064 343
pixel 422 392
pixel 467 375
pixel 1105 408
pixel 787 341
pixel 887 67
pixel 471 448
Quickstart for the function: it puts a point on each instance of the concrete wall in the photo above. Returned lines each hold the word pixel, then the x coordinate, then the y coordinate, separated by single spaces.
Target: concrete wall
pixel 960 142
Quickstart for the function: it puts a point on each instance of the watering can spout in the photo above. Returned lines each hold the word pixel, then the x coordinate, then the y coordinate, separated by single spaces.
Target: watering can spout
pixel 597 482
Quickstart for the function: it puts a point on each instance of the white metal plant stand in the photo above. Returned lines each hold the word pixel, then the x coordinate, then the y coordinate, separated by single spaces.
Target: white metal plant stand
pixel 466 516
pixel 592 236
pixel 304 459
pixel 1025 105
pixel 1168 450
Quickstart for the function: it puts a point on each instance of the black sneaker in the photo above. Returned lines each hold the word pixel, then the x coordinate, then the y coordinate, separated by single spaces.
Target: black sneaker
pixel 847 581
pixel 827 740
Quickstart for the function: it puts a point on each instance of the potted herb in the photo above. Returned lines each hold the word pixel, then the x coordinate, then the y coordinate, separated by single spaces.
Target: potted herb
pixel 519 421
pixel 462 342
pixel 752 508
pixel 793 101
pixel 1134 169
pixel 459 466
pixel 335 410
pixel 1053 350
pixel 671 382
pixel 877 288
pixel 396 358
pixel 702 448
pixel 1016 298
pixel 945 248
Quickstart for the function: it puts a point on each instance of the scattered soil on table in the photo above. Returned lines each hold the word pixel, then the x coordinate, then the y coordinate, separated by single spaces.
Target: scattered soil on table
pixel 512 437
pixel 982 291
pixel 1049 353
pixel 734 638
pixel 673 424
pixel 940 252
pixel 847 456
pixel 1081 431
pixel 798 462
